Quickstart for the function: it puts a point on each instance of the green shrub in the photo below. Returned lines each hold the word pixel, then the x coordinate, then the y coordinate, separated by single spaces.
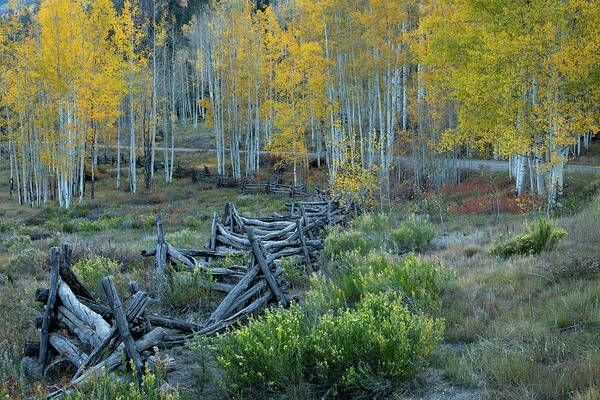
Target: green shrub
pixel 297 275
pixel 68 227
pixel 188 290
pixel 107 222
pixel 91 271
pixel 17 243
pixel 145 221
pixel 79 211
pixel 7 226
pixel 49 212
pixel 191 222
pixel 27 262
pixel 543 237
pixel 106 387
pixel 86 225
pixel 377 345
pixel 230 260
pixel 340 241
pixel 591 189
pixel 421 280
pixel 24 259
pixel 54 224
pixel 413 234
pixel 372 222
pixel 269 353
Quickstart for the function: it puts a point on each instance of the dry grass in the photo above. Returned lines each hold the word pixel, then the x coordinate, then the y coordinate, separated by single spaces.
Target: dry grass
pixel 526 327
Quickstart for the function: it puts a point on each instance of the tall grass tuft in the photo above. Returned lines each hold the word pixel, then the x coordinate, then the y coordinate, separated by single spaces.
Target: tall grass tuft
pixel 543 237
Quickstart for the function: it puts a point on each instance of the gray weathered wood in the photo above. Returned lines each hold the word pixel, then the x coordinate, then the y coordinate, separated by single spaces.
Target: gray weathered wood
pixel 113 362
pixel 161 257
pixel 213 235
pixel 300 225
pixel 260 258
pixel 67 275
pixel 122 324
pixel 65 347
pixel 49 311
pixel 81 311
pixel 233 294
pixel 110 341
pixel 76 326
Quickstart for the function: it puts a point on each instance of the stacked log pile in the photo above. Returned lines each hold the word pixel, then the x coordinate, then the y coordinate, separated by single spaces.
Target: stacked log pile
pixel 80 332
pixel 76 332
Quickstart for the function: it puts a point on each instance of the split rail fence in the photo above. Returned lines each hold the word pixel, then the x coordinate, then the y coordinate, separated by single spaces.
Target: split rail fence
pixel 82 334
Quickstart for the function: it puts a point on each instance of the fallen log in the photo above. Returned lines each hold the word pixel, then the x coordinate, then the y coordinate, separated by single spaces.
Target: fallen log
pixel 79 328
pixel 161 257
pixel 154 319
pixel 66 348
pixel 81 311
pixel 110 342
pixel 260 258
pixel 303 242
pixel 122 324
pixel 113 362
pixel 225 305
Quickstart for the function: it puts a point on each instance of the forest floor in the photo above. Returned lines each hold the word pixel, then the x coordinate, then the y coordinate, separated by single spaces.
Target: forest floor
pixel 518 328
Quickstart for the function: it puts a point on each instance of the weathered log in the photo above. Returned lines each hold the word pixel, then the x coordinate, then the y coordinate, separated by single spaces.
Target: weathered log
pixel 263 235
pixel 180 258
pixel 174 323
pixel 113 362
pixel 122 324
pixel 306 222
pixel 67 275
pixel 66 348
pixel 110 342
pixel 197 252
pixel 31 349
pixel 81 311
pixel 49 311
pixel 303 242
pixel 274 225
pixel 79 328
pixel 256 304
pixel 213 235
pixel 161 257
pixel 234 293
pixel 133 289
pixel 154 319
pixel 240 301
pixel 260 258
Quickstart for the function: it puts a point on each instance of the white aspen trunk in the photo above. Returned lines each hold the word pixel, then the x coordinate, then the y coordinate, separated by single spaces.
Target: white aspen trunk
pixel 132 157
pixel 153 95
pixel 332 170
pixel 119 149
pixel 173 105
pixel 532 184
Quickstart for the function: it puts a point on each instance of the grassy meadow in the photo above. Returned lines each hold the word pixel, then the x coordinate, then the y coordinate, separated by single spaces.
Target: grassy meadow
pixel 416 300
